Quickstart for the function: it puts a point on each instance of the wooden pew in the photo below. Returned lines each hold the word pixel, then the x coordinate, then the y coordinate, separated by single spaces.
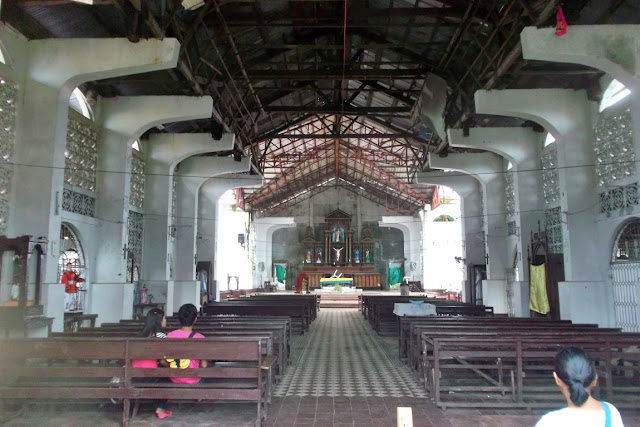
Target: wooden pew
pixel 79 368
pixel 460 371
pixel 299 312
pixel 274 343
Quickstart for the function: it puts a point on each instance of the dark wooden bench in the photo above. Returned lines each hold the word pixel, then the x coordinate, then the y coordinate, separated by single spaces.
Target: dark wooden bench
pixel 83 368
pixel 274 343
pixel 299 312
pixel 514 371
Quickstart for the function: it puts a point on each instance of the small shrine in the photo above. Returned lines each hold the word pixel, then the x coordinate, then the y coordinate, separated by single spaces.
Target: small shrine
pixel 338 254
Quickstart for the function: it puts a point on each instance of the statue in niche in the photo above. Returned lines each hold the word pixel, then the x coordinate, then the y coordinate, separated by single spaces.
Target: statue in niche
pixel 308 259
pixel 357 256
pixel 367 255
pixel 338 250
pixel 338 234
pixel 319 258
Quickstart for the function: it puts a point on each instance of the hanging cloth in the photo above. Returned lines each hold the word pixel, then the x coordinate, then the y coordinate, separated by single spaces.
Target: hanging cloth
pixel 561 23
pixel 538 300
pixel 395 273
pixel 281 272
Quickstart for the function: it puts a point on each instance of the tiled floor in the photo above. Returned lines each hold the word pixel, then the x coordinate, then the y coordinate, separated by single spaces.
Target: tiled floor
pixel 342 374
pixel 342 357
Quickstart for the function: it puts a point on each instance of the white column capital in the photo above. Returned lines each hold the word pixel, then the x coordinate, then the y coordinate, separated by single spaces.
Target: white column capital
pixel 70 62
pixel 613 49
pixel 172 148
pixel 432 102
pixel 514 143
pixel 483 166
pixel 559 111
pixel 462 184
pixel 133 115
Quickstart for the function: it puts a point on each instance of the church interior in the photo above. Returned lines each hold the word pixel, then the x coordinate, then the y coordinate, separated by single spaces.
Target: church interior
pixel 371 212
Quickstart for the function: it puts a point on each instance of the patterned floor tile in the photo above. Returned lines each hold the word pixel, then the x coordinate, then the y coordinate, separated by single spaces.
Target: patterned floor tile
pixel 341 356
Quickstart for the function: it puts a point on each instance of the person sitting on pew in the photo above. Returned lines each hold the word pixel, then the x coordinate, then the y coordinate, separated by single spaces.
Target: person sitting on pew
pixel 187 315
pixel 575 374
pixel 153 328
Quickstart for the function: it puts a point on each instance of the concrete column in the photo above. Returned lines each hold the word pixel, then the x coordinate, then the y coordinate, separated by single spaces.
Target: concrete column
pixel 520 147
pixel 208 223
pixel 125 119
pixel 470 192
pixel 566 114
pixel 613 49
pixel 54 67
pixel 164 152
pixel 488 168
pixel 194 172
pixel 411 228
pixel 265 227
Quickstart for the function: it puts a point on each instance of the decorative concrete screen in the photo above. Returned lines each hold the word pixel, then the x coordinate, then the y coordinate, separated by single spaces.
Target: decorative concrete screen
pixel 510 194
pixel 137 182
pixel 81 153
pixel 615 156
pixel 8 94
pixel 550 182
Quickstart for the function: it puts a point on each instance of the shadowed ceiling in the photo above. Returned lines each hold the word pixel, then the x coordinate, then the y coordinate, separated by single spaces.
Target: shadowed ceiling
pixel 324 94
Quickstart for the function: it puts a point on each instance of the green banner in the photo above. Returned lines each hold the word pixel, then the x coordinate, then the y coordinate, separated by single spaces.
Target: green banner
pixel 395 273
pixel 281 272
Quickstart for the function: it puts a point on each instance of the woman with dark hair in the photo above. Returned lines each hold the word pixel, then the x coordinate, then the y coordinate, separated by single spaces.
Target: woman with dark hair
pixel 153 328
pixel 575 374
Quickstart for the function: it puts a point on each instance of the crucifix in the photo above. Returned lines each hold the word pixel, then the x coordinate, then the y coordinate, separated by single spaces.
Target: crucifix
pixel 338 250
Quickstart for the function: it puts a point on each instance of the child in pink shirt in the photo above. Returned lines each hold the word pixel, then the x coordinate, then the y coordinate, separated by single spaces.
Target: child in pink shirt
pixel 187 316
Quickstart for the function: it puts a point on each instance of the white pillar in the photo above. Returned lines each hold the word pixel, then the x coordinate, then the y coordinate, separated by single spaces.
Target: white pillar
pixel 470 192
pixel 488 169
pixel 194 172
pixel 208 223
pixel 54 67
pixel 566 114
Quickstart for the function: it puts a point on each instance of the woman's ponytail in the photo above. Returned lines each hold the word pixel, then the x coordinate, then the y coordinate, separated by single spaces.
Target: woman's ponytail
pixel 577 370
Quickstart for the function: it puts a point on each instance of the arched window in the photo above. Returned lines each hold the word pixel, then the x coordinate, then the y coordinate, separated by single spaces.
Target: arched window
pixel 79 102
pixel 136 145
pixel 627 248
pixel 444 218
pixel 615 93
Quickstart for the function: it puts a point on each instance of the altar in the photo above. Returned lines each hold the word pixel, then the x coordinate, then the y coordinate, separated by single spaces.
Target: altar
pixel 331 281
pixel 338 253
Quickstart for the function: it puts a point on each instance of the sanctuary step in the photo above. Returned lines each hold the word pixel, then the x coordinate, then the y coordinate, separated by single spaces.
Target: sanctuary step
pixel 337 300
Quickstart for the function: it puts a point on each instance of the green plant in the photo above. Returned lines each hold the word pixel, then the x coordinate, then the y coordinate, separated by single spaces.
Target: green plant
pixel 337 288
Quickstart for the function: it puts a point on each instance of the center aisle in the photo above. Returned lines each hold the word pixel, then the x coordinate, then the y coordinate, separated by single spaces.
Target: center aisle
pixel 342 356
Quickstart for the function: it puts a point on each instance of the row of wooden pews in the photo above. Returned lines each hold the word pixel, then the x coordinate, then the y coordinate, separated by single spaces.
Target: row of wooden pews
pixel 378 310
pixel 247 350
pixel 501 362
pixel 302 309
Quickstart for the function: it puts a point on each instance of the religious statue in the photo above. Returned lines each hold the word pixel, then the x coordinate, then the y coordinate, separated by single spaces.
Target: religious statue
pixel 319 258
pixel 338 234
pixel 338 250
pixel 144 296
pixel 308 259
pixel 357 256
pixel 367 255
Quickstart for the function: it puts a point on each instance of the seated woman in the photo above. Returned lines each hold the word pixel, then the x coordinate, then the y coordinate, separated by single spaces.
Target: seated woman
pixel 153 328
pixel 575 374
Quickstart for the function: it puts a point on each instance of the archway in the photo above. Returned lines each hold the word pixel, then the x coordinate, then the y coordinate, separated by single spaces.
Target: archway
pixel 72 260
pixel 625 277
